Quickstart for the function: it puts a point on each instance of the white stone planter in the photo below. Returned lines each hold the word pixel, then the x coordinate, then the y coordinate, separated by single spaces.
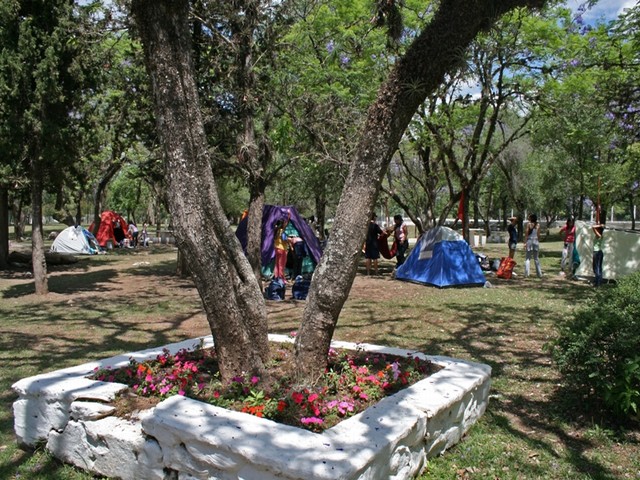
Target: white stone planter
pixel 185 439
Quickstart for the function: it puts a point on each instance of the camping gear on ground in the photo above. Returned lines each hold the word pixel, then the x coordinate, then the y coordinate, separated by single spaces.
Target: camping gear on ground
pixel 300 288
pixel 505 270
pixel 621 252
pixel 75 241
pixel 297 227
pixel 495 264
pixel 275 290
pixel 106 230
pixel 483 261
pixel 441 258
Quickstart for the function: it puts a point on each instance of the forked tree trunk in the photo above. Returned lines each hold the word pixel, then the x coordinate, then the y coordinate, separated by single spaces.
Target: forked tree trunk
pixel 418 73
pixel 230 294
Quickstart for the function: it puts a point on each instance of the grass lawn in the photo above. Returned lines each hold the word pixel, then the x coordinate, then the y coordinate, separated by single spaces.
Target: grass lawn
pixel 131 300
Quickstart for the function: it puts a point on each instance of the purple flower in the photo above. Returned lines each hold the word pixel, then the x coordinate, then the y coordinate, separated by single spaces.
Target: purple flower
pixel 344 59
pixel 330 46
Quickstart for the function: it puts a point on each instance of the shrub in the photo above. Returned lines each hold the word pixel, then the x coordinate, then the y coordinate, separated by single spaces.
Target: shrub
pixel 597 350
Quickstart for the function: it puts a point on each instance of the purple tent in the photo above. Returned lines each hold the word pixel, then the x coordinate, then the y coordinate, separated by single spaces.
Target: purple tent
pixel 270 215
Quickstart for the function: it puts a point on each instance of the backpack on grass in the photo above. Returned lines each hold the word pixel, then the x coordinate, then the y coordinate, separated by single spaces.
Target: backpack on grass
pixel 275 290
pixel 506 268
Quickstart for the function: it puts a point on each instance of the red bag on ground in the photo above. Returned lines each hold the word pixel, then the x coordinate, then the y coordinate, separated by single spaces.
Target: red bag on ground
pixel 505 270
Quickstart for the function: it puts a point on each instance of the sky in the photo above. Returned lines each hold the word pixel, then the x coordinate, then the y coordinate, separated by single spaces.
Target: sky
pixel 604 10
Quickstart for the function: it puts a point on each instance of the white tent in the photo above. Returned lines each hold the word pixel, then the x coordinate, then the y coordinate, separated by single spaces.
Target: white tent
pixel 621 252
pixel 76 241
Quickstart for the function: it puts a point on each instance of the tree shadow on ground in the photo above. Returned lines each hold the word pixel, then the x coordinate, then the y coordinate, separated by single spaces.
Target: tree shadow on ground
pixel 93 281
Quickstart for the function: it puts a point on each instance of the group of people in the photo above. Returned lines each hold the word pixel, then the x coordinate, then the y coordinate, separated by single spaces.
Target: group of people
pixel 375 232
pixel 568 232
pixel 292 247
pixel 288 246
pixel 132 236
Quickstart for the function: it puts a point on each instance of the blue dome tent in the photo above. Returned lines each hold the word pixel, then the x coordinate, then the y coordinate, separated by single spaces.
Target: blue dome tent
pixel 442 258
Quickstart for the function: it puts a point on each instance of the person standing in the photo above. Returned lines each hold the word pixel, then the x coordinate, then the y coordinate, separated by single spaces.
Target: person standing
pixel 533 245
pixel 132 233
pixel 512 229
pixel 281 245
pixel 371 251
pixel 401 239
pixel 299 250
pixel 568 231
pixel 598 253
pixel 144 235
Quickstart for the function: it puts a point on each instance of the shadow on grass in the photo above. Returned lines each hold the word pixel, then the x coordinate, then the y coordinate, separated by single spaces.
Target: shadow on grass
pixel 539 417
pixel 91 281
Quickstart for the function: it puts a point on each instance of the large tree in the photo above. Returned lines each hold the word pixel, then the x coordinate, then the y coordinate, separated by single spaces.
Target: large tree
pixel 434 53
pixel 231 297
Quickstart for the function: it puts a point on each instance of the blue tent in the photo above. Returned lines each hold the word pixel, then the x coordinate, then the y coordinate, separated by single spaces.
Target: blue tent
pixel 443 259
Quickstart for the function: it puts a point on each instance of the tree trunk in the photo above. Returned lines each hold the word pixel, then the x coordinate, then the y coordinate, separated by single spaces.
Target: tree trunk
pixel 321 209
pixel 4 228
pixel 19 219
pixel 182 266
pixel 38 259
pixel 254 232
pixel 98 198
pixel 419 72
pixel 223 276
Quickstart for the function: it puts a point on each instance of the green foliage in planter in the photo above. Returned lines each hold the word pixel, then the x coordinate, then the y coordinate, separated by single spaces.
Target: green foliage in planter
pixel 597 350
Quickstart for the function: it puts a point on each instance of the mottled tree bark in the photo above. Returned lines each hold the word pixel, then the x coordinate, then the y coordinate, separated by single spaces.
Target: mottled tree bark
pixel 38 259
pixel 418 73
pixel 229 290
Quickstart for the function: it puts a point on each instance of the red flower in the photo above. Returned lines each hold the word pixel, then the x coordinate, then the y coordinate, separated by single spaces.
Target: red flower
pixel 297 397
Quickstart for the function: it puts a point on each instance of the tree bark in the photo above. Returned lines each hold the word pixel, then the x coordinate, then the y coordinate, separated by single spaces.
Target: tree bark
pixel 38 260
pixel 98 198
pixel 225 281
pixel 4 228
pixel 418 73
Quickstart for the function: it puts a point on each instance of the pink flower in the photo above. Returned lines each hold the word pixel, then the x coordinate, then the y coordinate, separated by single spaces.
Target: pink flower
pixel 255 380
pixel 312 398
pixel 310 420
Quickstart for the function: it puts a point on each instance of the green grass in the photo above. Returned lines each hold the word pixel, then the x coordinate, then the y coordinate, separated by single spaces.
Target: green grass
pixel 130 300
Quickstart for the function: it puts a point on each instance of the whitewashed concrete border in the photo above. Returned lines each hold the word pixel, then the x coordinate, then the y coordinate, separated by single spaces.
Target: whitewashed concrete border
pixel 184 439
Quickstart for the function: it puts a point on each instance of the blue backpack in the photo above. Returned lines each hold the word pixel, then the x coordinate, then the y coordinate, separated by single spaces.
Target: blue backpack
pixel 275 290
pixel 300 288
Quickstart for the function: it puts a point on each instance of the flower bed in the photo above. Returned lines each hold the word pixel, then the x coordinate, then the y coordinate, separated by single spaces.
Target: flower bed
pixel 354 380
pixel 73 416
